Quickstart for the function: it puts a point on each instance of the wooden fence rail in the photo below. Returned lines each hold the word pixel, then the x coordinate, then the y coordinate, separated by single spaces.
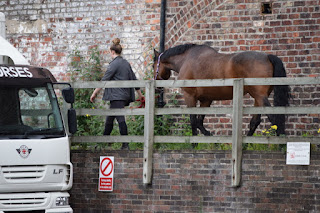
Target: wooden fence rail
pixel 237 139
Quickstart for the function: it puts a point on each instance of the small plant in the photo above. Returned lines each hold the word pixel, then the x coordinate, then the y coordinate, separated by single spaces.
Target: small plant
pixel 86 69
pixel 306 134
pixel 272 131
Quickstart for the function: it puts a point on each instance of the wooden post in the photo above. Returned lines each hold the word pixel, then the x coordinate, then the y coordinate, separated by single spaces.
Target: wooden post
pixel 237 131
pixel 148 132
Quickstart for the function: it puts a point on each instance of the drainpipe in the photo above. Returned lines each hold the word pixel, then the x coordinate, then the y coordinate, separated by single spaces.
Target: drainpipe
pixel 162 24
pixel 161 103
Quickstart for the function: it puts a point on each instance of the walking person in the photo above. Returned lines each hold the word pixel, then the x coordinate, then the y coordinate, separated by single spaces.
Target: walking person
pixel 118 69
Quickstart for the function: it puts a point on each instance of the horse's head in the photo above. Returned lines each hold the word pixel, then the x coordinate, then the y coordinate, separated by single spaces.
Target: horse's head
pixel 161 71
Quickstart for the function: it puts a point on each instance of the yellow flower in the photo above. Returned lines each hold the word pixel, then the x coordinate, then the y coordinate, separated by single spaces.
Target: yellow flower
pixel 274 127
pixel 267 132
pixel 92 107
pixel 319 130
pixel 87 115
pixel 264 131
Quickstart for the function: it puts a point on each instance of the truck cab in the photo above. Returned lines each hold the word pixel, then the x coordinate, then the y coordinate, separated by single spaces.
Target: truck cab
pixel 35 168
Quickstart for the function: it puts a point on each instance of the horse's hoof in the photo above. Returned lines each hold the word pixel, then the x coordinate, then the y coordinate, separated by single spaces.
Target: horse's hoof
pixel 194 145
pixel 250 134
pixel 207 133
pixel 125 146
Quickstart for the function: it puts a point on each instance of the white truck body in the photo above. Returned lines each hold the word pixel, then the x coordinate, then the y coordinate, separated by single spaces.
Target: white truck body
pixel 35 167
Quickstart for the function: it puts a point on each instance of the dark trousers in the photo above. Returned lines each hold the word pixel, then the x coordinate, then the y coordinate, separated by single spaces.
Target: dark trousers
pixel 120 119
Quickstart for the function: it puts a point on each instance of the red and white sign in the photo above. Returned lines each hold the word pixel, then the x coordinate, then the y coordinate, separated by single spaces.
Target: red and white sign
pixel 106 169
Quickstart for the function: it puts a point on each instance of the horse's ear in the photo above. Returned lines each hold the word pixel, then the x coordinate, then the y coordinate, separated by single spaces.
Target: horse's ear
pixel 156 53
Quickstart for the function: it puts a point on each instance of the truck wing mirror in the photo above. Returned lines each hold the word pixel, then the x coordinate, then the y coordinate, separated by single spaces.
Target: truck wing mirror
pixel 72 121
pixel 31 92
pixel 68 95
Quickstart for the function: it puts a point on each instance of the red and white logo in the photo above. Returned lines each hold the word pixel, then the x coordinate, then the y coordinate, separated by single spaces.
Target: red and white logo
pixel 24 151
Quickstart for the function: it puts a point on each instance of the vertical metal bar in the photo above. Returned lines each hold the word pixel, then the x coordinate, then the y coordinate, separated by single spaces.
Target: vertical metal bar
pixel 64 113
pixel 2 31
pixel 237 131
pixel 148 132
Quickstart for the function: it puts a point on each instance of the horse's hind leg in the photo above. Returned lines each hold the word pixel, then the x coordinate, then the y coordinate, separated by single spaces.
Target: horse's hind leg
pixel 254 123
pixel 256 119
pixel 278 120
pixel 270 117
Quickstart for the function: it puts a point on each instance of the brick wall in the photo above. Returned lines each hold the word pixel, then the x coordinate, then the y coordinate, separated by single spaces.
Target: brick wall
pixel 196 181
pixel 292 32
pixel 47 31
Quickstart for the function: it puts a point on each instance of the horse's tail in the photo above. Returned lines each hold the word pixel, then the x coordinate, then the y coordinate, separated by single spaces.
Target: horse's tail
pixel 281 92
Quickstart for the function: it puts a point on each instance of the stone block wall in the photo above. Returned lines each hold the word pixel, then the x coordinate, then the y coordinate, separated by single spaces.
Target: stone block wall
pixel 196 181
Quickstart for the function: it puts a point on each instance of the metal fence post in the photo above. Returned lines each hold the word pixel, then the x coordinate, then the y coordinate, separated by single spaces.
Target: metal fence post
pixel 237 131
pixel 148 132
pixel 2 31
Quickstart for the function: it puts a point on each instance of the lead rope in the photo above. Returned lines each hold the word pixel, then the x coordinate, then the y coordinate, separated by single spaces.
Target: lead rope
pixel 158 64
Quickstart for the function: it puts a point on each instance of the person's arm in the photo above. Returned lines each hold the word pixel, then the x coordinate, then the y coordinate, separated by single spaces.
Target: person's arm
pixel 94 94
pixel 111 70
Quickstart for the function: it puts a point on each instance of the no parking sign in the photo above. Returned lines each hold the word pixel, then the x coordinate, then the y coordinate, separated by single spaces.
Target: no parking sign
pixel 106 169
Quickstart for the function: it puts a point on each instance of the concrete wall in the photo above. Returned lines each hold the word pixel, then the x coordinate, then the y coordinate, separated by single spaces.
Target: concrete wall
pixel 196 181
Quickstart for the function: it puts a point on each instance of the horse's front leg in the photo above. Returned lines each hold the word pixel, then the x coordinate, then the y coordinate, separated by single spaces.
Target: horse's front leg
pixel 192 102
pixel 201 127
pixel 200 119
pixel 193 121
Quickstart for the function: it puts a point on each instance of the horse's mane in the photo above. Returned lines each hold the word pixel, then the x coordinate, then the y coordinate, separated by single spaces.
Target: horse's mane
pixel 180 49
pixel 177 50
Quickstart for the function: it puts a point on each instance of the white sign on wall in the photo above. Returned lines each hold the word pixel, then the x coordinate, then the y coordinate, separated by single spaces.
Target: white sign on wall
pixel 106 169
pixel 298 153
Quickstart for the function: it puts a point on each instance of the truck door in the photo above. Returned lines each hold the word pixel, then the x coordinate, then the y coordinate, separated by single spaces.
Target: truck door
pixel 9 107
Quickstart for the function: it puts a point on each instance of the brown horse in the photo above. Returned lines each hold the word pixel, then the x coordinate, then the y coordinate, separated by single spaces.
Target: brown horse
pixel 193 61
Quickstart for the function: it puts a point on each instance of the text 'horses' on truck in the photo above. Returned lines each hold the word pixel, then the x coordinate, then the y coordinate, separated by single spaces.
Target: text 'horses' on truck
pixel 35 168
